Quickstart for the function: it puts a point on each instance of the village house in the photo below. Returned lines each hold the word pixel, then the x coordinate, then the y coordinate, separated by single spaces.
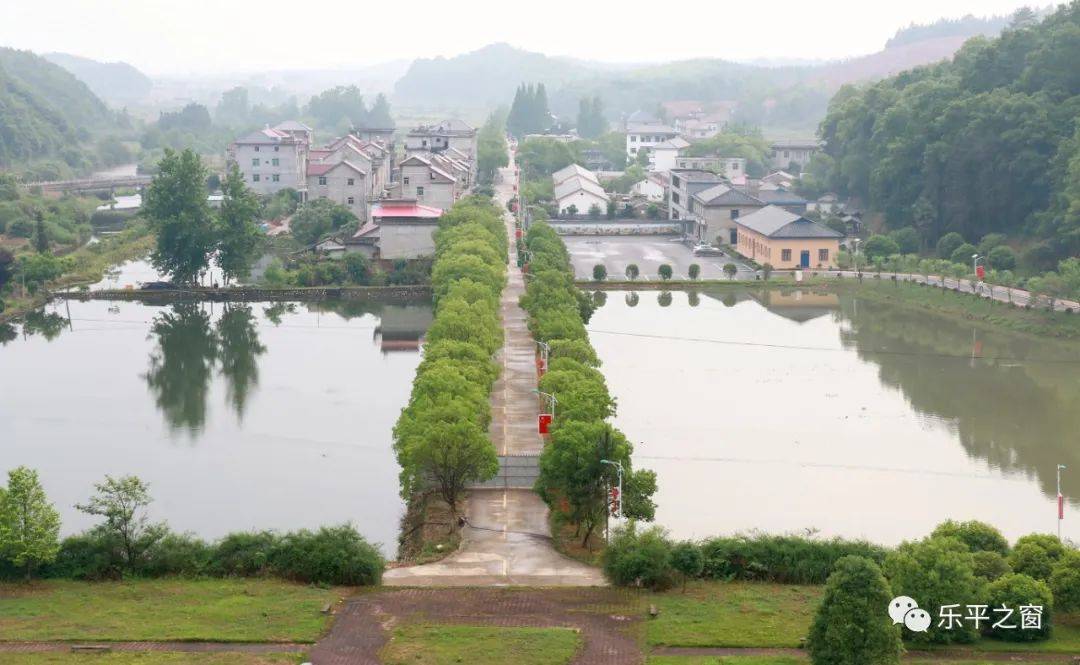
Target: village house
pixel 652 188
pixel 785 153
pixel 405 229
pixel 645 136
pixel 662 156
pixel 442 136
pixel 717 209
pixel 683 184
pixel 786 240
pixel 420 179
pixel 341 182
pixel 273 159
pixel 732 168
pixel 577 190
pixel 790 201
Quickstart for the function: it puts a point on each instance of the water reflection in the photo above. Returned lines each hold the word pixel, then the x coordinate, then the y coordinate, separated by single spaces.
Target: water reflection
pixel 787 409
pixel 48 325
pixel 182 364
pixel 239 351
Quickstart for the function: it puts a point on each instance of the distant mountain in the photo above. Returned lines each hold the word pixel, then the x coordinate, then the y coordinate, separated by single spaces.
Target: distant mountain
pixel 968 26
pixel 115 82
pixel 44 110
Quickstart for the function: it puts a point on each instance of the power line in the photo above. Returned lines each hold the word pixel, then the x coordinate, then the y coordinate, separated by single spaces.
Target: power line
pixel 796 347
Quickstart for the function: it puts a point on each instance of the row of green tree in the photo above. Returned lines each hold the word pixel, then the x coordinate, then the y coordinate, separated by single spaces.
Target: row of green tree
pixel 127 543
pixel 964 563
pixel 529 113
pixel 491 148
pixel 576 473
pixel 985 143
pixel 441 437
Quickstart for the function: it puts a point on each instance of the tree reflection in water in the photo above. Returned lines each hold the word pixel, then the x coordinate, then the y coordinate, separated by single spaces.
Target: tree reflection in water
pixel 188 349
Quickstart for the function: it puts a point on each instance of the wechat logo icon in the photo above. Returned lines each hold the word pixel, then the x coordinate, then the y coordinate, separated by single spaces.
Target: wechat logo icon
pixel 905 610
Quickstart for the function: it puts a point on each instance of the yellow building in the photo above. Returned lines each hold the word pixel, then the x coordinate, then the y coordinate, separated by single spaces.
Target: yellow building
pixel 786 241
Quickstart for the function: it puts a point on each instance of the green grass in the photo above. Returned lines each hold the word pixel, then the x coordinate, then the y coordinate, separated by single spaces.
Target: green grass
pixel 168 609
pixel 735 614
pixel 796 660
pixel 148 658
pixel 423 644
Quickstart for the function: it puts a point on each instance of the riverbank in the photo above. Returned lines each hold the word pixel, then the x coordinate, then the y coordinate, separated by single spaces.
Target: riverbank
pixel 257 294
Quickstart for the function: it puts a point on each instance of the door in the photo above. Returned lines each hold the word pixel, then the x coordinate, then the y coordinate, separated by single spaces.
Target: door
pixel 804 259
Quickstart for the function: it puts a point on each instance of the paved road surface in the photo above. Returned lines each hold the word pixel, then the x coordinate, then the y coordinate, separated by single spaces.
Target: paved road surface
pixel 507 541
pixel 1018 297
pixel 647 252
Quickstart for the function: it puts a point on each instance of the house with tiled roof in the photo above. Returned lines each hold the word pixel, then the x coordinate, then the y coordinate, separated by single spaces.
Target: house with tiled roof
pixel 271 159
pixel 717 209
pixel 424 180
pixel 662 156
pixel 342 182
pixel 644 136
pixel 577 194
pixel 786 240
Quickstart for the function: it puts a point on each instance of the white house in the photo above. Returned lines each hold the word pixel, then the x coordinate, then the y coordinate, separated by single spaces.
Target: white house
pixel 663 155
pixel 577 195
pixel 793 152
pixel 732 168
pixel 341 182
pixel 652 188
pixel 423 181
pixel 271 160
pixel 644 137
pixel 568 172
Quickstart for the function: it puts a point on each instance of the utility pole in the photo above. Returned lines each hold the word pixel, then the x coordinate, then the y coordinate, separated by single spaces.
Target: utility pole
pixel 619 510
pixel 1060 500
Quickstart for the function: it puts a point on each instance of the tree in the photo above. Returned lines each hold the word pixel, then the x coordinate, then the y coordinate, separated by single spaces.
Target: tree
pixel 638 559
pixel 880 246
pixel 906 239
pixel 380 117
pixel 1002 258
pixel 730 269
pixel 237 232
pixel 341 108
pixel 529 113
pixel 591 123
pixel 1016 590
pixel 452 452
pixel 936 572
pixel 175 207
pixel 1065 582
pixel 948 243
pixel 41 235
pixel 766 271
pixel 595 211
pixel 599 272
pixel 122 502
pixel 664 271
pixel 978 536
pixel 319 218
pixel 851 626
pixel 357 267
pixel 29 524
pixel 963 254
pixel 632 272
pixel 687 560
pixel 693 271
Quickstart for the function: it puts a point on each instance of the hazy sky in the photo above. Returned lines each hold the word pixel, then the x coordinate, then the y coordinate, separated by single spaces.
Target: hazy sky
pixel 206 36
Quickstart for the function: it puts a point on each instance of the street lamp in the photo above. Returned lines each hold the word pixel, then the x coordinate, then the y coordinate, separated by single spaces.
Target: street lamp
pixel 545 351
pixel 551 397
pixel 855 253
pixel 1061 499
pixel 618 468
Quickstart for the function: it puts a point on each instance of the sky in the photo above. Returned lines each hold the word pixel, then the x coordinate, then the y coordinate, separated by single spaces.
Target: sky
pixel 166 37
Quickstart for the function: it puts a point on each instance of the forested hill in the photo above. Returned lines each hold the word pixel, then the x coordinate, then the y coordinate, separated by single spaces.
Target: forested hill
pixel 44 110
pixel 116 82
pixel 966 27
pixel 985 143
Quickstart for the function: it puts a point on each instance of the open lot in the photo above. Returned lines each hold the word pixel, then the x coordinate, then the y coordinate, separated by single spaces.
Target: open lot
pixel 648 252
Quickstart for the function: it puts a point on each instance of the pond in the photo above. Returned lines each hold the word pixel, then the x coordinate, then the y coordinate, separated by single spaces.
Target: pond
pixel 797 411
pixel 241 417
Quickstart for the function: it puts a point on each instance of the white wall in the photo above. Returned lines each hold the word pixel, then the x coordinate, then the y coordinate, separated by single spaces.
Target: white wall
pixel 583 200
pixel 289 168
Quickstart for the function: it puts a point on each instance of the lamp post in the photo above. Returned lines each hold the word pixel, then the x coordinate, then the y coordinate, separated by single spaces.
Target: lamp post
pixel 855 254
pixel 551 398
pixel 618 468
pixel 1060 499
pixel 545 352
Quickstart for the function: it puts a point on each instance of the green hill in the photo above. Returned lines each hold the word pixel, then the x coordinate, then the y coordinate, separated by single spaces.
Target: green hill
pixel 988 142
pixel 45 112
pixel 115 82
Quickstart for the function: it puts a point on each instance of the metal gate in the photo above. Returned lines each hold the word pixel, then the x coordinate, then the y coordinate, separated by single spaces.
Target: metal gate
pixel 515 471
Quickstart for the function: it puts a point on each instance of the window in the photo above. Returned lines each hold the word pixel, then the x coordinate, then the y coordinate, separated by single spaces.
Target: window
pixel 276 148
pixel 256 148
pixel 419 192
pixel 254 177
pixel 275 162
pixel 405 180
pixel 431 175
pixel 254 161
pixel 350 200
pixel 735 214
pixel 674 181
pixel 350 182
pixel 633 138
pixel 785 255
pixel 734 166
pixel 823 255
pixel 275 178
pixel 674 197
pixel 322 180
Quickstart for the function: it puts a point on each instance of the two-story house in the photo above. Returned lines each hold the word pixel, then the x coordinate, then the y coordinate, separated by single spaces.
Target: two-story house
pixel 426 183
pixel 272 159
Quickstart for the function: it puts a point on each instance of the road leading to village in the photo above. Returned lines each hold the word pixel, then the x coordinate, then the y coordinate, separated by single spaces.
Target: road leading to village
pixel 506 540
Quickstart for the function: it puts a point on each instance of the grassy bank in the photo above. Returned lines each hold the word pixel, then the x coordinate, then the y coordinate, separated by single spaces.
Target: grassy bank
pixel 165 609
pixel 148 658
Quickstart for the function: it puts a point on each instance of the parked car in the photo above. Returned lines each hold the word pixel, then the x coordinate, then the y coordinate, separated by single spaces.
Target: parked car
pixel 706 250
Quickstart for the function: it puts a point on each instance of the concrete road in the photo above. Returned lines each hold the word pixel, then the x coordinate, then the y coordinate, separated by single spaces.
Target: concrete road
pixel 1018 297
pixel 506 540
pixel 648 253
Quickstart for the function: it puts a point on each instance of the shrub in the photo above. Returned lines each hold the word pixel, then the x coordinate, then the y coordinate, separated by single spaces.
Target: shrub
pixel 936 572
pixel 989 565
pixel 1016 591
pixel 1031 559
pixel 577 349
pixel 730 269
pixel 687 560
pixel 599 272
pixel 664 271
pixel 177 554
pixel 785 559
pixel 1002 258
pixel 850 627
pixel 332 555
pixel 906 239
pixel 694 271
pixel 87 556
pixel 766 270
pixel 1050 543
pixel 978 536
pixel 1065 582
pixel 880 246
pixel 948 243
pixel 632 271
pixel 243 554
pixel 638 559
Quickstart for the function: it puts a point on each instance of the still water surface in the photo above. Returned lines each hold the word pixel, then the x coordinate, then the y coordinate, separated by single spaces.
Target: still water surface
pixel 245 416
pixel 801 410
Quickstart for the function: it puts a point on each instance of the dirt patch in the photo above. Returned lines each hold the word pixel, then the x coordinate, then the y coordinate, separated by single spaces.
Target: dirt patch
pixel 607 619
